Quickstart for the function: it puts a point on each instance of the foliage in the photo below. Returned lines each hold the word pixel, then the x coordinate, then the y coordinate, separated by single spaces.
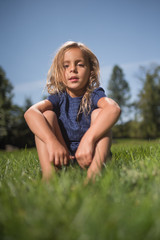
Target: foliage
pixel 122 204
pixel 19 134
pixel 118 87
pixel 147 109
pixel 5 103
pixel 130 129
pixel 13 128
pixel 149 103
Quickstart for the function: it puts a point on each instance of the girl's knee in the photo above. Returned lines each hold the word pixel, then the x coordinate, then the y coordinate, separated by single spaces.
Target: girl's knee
pixel 50 116
pixel 95 114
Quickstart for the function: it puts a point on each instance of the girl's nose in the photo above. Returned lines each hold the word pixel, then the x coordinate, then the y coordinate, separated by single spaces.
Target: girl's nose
pixel 73 68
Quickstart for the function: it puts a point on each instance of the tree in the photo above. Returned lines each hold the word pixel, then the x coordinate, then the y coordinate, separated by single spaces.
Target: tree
pixel 149 103
pixel 5 105
pixel 119 89
pixel 13 128
pixel 21 133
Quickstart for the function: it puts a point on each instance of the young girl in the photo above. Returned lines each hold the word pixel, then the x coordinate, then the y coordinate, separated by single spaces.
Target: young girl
pixel 74 123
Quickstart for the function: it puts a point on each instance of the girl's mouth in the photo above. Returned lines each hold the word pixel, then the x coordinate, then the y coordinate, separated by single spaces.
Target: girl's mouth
pixel 74 79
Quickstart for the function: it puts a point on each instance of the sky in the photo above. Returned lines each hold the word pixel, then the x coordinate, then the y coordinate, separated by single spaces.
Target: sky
pixel 119 32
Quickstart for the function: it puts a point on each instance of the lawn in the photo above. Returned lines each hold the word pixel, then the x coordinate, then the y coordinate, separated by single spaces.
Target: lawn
pixel 123 203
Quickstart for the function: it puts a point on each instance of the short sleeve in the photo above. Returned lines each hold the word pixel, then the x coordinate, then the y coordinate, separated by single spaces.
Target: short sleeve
pixel 96 95
pixel 54 99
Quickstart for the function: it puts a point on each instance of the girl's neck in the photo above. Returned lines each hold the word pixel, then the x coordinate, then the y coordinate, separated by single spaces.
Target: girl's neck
pixel 75 93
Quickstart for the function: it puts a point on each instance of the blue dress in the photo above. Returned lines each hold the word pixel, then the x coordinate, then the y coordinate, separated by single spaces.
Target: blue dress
pixel 66 109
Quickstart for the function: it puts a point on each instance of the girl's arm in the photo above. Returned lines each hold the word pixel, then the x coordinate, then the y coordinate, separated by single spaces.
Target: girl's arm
pixel 105 120
pixel 36 121
pixel 108 116
pixel 39 126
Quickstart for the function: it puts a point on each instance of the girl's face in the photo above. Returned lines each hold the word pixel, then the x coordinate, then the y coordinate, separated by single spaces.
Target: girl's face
pixel 76 72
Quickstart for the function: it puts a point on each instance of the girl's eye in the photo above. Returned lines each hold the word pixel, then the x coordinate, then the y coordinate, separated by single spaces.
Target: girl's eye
pixel 80 64
pixel 66 66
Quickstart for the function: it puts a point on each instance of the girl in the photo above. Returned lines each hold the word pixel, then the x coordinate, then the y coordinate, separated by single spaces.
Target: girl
pixel 74 123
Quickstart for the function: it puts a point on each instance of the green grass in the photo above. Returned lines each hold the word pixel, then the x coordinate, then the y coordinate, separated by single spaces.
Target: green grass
pixel 124 202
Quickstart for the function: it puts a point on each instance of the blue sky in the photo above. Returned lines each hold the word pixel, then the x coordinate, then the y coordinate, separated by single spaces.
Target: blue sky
pixel 123 32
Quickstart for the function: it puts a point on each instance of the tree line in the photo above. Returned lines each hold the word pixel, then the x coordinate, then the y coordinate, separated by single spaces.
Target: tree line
pixel 13 128
pixel 145 121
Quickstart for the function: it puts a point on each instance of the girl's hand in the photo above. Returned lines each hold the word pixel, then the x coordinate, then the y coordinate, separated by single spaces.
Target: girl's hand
pixel 58 154
pixel 85 151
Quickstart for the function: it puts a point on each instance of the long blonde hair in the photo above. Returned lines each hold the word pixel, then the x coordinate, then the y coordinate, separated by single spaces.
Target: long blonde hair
pixel 55 78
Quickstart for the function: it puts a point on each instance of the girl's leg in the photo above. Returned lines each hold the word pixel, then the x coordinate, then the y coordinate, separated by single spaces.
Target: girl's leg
pixel 102 150
pixel 46 165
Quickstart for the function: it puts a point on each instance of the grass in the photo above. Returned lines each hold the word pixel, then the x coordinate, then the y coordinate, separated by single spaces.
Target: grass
pixel 122 204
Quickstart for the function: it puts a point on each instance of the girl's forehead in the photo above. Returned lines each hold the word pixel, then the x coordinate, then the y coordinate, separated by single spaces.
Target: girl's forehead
pixel 74 53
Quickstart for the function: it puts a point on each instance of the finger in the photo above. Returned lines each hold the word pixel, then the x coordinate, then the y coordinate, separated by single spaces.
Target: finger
pixel 61 159
pixel 57 162
pixel 81 164
pixel 86 161
pixel 51 158
pixel 65 161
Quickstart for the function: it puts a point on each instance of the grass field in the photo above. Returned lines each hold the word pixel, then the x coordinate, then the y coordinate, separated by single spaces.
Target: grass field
pixel 124 202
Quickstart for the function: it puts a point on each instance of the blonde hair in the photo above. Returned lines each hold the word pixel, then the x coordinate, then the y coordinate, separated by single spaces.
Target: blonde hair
pixel 55 78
